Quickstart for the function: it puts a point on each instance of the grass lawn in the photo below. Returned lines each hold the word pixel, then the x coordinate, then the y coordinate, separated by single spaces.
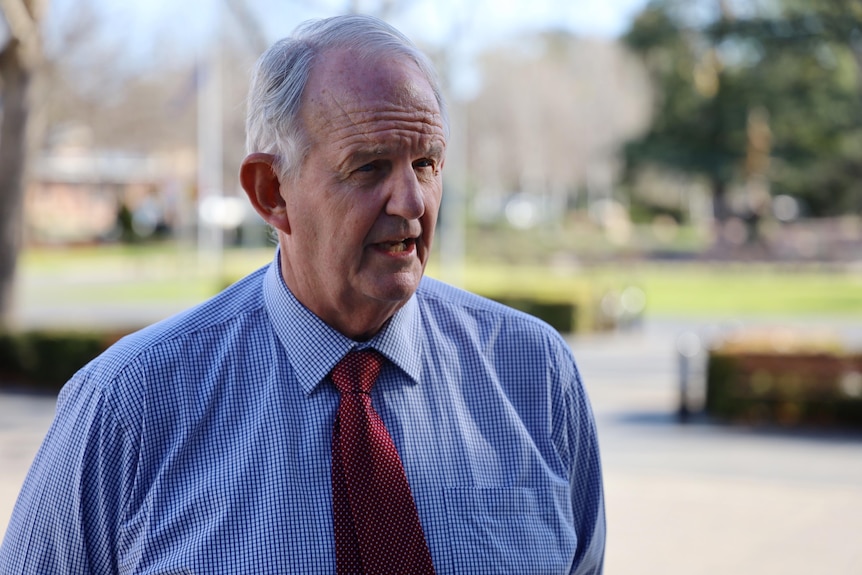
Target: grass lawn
pixel 119 274
pixel 164 273
pixel 690 289
pixel 751 290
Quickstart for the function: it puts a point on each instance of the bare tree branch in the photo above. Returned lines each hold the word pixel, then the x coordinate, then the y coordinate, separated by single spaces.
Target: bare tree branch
pixel 249 24
pixel 20 16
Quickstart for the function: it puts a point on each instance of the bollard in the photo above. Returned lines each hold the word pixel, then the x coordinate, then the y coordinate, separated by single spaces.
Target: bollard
pixel 688 345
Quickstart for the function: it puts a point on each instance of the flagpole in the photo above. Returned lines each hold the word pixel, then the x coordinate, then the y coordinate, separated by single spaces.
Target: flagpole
pixel 209 136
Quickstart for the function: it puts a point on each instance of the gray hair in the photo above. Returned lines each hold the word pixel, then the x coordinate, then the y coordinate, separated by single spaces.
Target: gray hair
pixel 281 74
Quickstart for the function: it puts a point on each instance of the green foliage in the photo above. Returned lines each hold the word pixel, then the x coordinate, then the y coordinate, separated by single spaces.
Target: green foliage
pixel 45 360
pixel 793 68
pixel 561 315
pixel 568 301
pixel 799 388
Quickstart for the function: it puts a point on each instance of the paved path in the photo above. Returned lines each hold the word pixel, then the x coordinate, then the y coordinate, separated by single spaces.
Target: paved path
pixel 704 499
pixel 693 499
pixel 23 422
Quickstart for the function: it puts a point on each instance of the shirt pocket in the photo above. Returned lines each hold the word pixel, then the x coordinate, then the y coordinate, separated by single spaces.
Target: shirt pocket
pixel 517 530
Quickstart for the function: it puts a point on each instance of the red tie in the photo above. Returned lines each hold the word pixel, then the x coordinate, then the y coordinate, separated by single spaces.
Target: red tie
pixel 377 529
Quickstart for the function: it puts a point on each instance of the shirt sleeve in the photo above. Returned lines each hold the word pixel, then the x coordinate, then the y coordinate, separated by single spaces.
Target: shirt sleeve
pixel 585 472
pixel 69 512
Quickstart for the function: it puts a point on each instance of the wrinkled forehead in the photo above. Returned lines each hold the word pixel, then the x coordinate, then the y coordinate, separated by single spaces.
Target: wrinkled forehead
pixel 342 82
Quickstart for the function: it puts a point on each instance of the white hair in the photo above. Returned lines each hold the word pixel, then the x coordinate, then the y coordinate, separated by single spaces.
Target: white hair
pixel 282 72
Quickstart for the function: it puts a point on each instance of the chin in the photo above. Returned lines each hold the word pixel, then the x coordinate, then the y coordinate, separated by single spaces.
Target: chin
pixel 396 288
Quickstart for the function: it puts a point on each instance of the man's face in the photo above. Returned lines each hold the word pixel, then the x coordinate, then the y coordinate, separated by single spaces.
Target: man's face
pixel 363 208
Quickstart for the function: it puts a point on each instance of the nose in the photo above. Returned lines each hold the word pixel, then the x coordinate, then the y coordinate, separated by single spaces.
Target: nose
pixel 406 198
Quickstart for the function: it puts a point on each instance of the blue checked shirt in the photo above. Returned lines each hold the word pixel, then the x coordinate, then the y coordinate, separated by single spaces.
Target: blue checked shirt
pixel 202 444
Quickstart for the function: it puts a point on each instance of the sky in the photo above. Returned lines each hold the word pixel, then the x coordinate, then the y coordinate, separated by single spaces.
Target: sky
pixel 137 29
pixel 496 19
pixel 142 22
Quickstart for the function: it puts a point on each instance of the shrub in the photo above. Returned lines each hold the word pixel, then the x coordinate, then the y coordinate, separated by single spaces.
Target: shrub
pixel 44 360
pixel 562 316
pixel 793 386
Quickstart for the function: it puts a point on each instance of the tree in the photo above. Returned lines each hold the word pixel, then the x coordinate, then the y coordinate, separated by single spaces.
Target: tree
pixel 20 56
pixel 811 76
pixel 758 95
pixel 552 111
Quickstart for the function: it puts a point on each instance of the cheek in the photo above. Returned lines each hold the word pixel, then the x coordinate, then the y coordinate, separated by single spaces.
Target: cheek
pixel 325 222
pixel 343 236
pixel 432 204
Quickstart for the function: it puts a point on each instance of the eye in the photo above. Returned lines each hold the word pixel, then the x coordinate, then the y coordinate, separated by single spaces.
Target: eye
pixel 371 171
pixel 423 163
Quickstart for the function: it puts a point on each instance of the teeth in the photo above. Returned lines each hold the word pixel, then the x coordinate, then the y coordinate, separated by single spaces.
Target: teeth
pixel 398 247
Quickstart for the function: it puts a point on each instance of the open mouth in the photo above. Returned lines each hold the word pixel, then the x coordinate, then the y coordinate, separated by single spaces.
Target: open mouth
pixel 405 245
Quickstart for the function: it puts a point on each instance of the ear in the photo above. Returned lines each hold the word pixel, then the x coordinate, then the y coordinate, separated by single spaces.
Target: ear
pixel 258 178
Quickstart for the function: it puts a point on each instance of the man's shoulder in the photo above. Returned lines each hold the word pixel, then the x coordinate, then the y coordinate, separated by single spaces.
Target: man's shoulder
pixel 189 336
pixel 516 346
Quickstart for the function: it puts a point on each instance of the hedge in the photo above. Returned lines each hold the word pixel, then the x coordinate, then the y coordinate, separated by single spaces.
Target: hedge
pixel 42 361
pixel 577 311
pixel 795 388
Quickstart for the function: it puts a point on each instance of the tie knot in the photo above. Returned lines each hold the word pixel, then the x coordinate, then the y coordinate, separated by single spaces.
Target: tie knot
pixel 358 371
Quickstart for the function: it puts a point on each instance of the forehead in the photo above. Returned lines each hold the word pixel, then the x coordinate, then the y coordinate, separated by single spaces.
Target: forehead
pixel 348 96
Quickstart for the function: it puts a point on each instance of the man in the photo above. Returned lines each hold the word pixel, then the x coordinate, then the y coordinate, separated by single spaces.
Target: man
pixel 224 441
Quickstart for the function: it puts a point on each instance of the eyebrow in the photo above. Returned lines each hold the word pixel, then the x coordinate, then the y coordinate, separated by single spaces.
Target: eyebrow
pixel 364 155
pixel 435 150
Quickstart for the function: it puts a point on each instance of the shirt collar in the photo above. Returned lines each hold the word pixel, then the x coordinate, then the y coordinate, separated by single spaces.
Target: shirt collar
pixel 314 348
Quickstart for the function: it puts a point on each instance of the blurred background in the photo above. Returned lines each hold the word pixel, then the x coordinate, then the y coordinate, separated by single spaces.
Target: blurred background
pixel 675 185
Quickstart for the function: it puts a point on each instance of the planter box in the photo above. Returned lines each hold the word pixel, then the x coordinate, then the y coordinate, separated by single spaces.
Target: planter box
pixel 785 388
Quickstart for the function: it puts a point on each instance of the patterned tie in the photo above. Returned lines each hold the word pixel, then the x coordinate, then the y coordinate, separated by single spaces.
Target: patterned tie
pixel 377 529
